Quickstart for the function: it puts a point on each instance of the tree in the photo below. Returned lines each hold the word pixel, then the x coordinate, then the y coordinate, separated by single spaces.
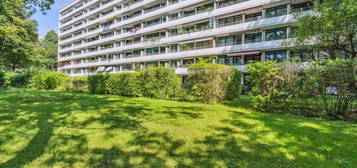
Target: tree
pixel 18 34
pixel 332 27
pixel 50 44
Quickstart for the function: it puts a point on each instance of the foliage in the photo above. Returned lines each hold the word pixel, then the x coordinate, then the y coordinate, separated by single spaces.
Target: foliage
pixel 339 106
pixel 210 82
pixel 335 83
pixel 333 28
pixel 50 46
pixel 264 78
pixel 124 84
pixel 234 86
pixel 22 79
pixel 323 88
pixel 98 83
pixel 50 80
pixel 18 36
pixel 159 82
pixel 2 78
pixel 79 84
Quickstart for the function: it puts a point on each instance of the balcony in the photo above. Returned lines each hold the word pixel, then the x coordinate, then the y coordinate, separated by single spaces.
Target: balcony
pixel 180 21
pixel 271 45
pixel 199 34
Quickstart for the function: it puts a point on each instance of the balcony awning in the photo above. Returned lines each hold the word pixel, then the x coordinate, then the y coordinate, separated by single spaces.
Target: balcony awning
pixel 251 31
pixel 108 69
pixel 94 35
pixel 186 42
pixel 205 39
pixel 299 1
pixel 100 69
pixel 244 53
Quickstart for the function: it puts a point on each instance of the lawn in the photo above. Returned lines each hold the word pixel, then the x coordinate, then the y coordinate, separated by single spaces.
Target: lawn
pixel 55 129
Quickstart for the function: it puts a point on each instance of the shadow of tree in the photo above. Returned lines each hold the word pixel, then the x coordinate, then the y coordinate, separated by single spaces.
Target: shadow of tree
pixel 56 125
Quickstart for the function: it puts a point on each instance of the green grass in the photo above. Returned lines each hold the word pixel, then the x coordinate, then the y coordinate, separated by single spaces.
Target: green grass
pixel 54 129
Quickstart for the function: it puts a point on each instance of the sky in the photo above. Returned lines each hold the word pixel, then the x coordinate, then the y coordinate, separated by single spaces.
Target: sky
pixel 50 20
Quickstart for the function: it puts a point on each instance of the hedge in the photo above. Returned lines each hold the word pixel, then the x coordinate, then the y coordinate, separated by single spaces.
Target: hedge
pixel 50 80
pixel 159 82
pixel 98 83
pixel 79 84
pixel 124 84
pixel 212 82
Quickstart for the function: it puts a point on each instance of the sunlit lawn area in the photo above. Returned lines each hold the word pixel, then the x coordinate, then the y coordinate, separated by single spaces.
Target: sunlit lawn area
pixel 54 129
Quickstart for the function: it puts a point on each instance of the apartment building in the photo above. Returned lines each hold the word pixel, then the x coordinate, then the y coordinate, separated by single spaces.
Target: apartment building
pixel 113 36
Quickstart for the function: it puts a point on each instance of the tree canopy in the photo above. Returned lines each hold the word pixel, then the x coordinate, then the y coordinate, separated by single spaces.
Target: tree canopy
pixel 18 33
pixel 332 27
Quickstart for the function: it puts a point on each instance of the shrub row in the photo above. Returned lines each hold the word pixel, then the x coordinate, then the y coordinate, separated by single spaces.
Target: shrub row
pixel 214 82
pixel 206 83
pixel 158 82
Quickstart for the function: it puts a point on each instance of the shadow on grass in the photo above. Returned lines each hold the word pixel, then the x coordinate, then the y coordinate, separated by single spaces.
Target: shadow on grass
pixel 243 102
pixel 242 140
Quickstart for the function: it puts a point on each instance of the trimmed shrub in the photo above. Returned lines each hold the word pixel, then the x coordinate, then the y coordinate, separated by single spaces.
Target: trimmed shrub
pixel 98 83
pixel 210 82
pixel 159 82
pixel 79 84
pixel 124 84
pixel 50 80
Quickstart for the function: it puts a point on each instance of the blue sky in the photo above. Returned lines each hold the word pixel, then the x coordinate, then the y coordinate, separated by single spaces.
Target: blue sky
pixel 50 20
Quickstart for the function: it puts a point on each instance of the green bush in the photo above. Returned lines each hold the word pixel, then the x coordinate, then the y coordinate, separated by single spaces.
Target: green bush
pixel 272 85
pixel 50 80
pixel 210 82
pixel 79 84
pixel 334 82
pixel 234 86
pixel 124 84
pixel 98 83
pixel 2 78
pixel 7 78
pixel 159 82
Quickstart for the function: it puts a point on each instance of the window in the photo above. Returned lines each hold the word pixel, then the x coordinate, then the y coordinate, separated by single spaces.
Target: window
pixel 275 55
pixel 225 3
pixel 253 17
pixel 187 46
pixel 230 40
pixel 173 63
pixel 230 20
pixel 227 60
pixel 188 62
pixel 252 58
pixel 276 11
pixel 276 34
pixel 301 7
pixel 155 50
pixel 204 44
pixel 202 26
pixel 253 38
pixel 293 32
pixel 174 48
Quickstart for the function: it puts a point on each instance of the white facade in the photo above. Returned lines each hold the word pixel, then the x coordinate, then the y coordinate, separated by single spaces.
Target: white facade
pixel 112 36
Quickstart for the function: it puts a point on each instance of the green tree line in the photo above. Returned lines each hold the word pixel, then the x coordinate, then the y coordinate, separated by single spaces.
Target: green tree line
pixel 20 46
